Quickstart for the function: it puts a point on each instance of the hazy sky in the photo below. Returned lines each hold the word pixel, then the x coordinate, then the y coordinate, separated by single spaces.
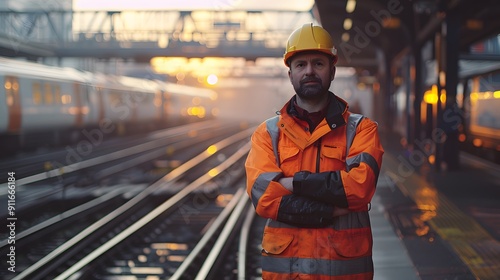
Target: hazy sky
pixel 192 4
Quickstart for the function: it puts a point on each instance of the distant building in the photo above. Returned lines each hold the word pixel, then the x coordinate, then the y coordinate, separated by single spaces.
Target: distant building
pixel 30 27
pixel 20 5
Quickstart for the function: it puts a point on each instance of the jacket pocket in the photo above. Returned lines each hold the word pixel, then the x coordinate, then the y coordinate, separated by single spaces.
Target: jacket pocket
pixel 289 159
pixel 352 243
pixel 275 244
pixel 335 157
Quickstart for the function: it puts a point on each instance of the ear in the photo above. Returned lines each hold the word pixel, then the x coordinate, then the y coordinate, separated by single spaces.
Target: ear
pixel 290 74
pixel 334 69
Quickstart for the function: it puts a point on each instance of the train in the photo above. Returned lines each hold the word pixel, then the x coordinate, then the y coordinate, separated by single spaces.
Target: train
pixel 48 105
pixel 481 132
pixel 476 114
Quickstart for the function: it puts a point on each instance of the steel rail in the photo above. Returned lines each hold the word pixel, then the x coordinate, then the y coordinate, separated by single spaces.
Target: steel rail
pixel 95 202
pixel 243 244
pixel 166 206
pixel 224 237
pixel 163 182
pixel 154 144
pixel 212 230
pixel 65 215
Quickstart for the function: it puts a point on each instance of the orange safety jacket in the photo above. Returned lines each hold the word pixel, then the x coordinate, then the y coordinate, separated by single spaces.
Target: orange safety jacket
pixel 335 165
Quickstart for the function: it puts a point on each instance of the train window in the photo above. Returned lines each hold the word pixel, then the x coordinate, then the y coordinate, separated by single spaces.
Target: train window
pixel 157 99
pixel 57 94
pixel 7 84
pixel 66 99
pixel 48 97
pixel 487 82
pixel 115 97
pixel 145 98
pixel 86 95
pixel 15 85
pixel 495 78
pixel 37 94
pixel 460 95
pixel 8 90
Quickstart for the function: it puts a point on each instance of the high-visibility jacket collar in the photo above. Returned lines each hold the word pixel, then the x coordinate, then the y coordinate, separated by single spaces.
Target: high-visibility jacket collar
pixel 335 114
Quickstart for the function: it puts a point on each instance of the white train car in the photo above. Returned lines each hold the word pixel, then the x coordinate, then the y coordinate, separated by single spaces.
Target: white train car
pixel 42 104
pixel 38 97
pixel 482 121
pixel 187 103
pixel 126 102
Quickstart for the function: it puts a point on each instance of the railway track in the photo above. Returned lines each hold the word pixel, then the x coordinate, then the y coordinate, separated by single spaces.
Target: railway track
pixel 111 167
pixel 57 164
pixel 42 203
pixel 113 225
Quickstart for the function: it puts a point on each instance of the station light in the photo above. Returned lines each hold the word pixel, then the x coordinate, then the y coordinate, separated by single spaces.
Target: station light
pixel 477 142
pixel 197 111
pixel 474 24
pixel 432 159
pixel 345 37
pixel 431 96
pixel 212 79
pixel 391 23
pixel 180 76
pixel 423 114
pixel 442 78
pixel 347 24
pixel 350 6
pixel 442 97
pixel 462 137
pixel 474 96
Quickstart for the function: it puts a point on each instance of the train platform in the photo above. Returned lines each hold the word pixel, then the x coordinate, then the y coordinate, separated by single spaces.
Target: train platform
pixel 435 225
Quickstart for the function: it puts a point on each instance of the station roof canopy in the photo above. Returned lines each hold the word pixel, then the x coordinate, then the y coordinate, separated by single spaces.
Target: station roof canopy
pixel 363 30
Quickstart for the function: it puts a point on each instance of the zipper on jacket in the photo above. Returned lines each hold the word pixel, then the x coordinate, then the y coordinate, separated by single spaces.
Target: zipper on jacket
pixel 318 154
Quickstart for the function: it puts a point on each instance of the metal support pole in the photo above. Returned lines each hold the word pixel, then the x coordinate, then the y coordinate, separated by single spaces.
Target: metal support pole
pixel 437 133
pixel 408 81
pixel 418 91
pixel 451 112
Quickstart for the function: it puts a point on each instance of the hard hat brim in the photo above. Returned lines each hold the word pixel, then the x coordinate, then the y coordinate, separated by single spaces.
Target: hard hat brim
pixel 288 56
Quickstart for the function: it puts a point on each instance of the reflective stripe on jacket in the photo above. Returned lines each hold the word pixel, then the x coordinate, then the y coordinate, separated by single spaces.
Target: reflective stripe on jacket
pixel 335 165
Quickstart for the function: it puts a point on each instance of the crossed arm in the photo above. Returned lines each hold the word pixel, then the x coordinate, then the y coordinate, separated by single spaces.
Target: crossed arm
pixel 287 183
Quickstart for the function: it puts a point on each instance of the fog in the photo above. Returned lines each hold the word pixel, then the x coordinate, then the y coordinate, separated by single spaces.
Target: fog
pixel 253 99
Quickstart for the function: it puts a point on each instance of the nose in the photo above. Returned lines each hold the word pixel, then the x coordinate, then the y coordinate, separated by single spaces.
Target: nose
pixel 309 69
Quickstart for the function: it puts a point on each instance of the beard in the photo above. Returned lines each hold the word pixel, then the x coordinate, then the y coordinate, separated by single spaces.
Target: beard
pixel 314 91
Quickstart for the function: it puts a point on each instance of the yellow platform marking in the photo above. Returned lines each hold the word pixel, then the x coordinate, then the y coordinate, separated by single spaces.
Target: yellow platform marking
pixel 472 243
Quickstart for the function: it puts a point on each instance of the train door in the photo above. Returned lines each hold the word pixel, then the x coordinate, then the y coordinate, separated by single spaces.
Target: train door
pixel 78 105
pixel 13 104
pixel 167 106
pixel 133 104
pixel 100 101
pixel 158 101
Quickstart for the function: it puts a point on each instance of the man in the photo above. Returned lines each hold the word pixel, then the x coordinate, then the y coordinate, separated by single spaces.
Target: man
pixel 312 172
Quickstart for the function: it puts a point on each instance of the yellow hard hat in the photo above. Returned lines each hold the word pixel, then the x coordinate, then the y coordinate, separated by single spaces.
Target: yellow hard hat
pixel 310 38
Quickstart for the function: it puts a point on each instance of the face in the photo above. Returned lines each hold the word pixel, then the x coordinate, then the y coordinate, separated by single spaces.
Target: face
pixel 311 74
